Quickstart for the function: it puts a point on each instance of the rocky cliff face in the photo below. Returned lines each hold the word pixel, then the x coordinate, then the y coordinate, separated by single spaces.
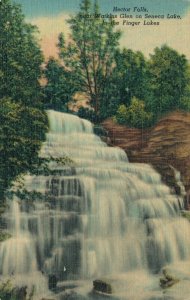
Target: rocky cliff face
pixel 166 146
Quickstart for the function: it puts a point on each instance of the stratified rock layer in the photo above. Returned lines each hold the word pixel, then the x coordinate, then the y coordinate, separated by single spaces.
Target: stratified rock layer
pixel 165 146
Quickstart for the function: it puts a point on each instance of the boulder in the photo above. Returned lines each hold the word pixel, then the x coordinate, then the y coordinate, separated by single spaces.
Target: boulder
pixel 169 279
pixel 52 281
pixel 100 130
pixel 21 293
pixel 102 286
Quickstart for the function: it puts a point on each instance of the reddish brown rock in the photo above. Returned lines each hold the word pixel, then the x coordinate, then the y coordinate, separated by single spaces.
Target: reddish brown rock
pixel 165 145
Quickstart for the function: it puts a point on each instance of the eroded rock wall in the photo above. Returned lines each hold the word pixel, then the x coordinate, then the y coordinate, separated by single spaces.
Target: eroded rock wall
pixel 166 146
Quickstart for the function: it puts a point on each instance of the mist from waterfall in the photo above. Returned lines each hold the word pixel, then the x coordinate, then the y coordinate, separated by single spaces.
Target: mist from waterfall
pixel 103 216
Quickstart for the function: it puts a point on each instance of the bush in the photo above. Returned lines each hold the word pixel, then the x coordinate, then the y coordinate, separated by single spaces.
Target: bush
pixel 22 131
pixel 134 115
pixel 89 114
pixel 185 103
pixel 121 115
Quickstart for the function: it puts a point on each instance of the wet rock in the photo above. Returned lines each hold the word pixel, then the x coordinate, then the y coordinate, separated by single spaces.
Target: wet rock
pixel 73 296
pixel 102 286
pixel 186 214
pixel 2 208
pixel 21 293
pixel 180 271
pixel 168 280
pixel 100 130
pixel 180 291
pixel 52 281
pixel 106 140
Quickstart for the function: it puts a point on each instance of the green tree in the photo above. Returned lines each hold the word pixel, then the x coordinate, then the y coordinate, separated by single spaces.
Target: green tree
pixel 131 75
pixel 60 86
pixel 22 129
pixel 91 51
pixel 20 56
pixel 23 124
pixel 168 80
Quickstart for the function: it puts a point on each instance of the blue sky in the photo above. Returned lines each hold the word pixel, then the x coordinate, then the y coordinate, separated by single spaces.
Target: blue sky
pixel 36 8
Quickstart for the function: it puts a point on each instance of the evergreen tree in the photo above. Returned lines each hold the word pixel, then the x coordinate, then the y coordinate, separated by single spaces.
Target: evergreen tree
pixel 22 123
pixel 20 56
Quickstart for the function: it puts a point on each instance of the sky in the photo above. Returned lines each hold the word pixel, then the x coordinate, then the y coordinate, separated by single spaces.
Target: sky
pixel 50 16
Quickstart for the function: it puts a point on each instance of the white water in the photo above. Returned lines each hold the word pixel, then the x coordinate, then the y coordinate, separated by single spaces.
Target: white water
pixel 102 217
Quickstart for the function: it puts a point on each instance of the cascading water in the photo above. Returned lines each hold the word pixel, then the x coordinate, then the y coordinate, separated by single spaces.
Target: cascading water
pixel 101 217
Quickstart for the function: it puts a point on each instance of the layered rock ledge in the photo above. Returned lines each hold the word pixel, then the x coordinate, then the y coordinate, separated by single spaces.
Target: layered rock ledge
pixel 166 146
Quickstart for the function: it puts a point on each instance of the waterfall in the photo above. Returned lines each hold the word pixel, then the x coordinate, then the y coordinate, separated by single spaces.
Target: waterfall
pixel 102 216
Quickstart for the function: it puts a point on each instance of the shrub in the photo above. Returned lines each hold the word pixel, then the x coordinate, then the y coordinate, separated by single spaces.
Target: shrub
pixel 134 115
pixel 185 103
pixel 121 115
pixel 89 114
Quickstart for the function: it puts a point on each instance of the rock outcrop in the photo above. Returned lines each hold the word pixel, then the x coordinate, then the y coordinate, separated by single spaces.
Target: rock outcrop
pixel 168 279
pixel 102 286
pixel 166 146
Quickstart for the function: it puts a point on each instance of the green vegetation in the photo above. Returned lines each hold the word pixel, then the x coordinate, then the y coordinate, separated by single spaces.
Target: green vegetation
pixel 89 114
pixel 162 82
pixel 60 86
pixel 6 291
pixel 23 122
pixel 134 115
pixel 20 56
pixel 112 78
pixel 22 129
pixel 4 236
pixel 119 83
pixel 168 81
pixel 186 214
pixel 131 75
pixel 10 292
pixel 89 55
pixel 42 166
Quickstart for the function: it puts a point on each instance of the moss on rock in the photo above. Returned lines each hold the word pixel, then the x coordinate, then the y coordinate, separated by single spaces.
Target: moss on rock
pixel 4 235
pixel 186 214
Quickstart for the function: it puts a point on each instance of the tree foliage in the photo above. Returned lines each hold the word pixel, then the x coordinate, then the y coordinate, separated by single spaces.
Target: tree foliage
pixel 168 80
pixel 91 62
pixel 22 123
pixel 131 75
pixel 134 115
pixel 162 83
pixel 88 113
pixel 22 129
pixel 90 52
pixel 20 56
pixel 185 100
pixel 60 86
